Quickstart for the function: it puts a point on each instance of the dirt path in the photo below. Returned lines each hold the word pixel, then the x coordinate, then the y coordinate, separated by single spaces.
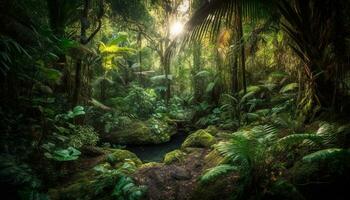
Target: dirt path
pixel 174 181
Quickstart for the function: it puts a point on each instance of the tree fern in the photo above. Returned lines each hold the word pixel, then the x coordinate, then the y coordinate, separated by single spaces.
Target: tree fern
pixel 213 173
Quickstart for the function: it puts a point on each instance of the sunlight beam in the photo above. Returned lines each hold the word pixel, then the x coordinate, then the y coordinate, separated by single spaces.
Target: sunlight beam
pixel 176 28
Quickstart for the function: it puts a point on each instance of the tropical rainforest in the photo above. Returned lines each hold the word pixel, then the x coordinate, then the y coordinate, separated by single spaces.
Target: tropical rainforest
pixel 175 99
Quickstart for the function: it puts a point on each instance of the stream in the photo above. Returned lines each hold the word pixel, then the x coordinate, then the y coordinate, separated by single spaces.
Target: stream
pixel 156 152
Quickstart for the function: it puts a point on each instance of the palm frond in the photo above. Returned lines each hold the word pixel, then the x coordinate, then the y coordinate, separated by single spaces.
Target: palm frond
pixel 213 14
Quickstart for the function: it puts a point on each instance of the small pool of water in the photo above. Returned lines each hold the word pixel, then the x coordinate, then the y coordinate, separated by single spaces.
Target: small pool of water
pixel 156 152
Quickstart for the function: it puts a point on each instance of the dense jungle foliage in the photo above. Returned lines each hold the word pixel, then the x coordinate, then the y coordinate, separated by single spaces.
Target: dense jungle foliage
pixel 175 99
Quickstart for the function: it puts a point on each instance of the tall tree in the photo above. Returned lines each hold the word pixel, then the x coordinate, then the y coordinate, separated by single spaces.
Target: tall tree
pixel 84 39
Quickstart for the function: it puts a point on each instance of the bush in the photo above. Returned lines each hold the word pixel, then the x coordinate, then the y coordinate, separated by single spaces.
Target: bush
pixel 83 135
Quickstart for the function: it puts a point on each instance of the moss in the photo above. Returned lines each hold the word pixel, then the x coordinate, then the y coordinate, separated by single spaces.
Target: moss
pixel 174 156
pixel 119 156
pixel 212 130
pixel 150 164
pixel 200 138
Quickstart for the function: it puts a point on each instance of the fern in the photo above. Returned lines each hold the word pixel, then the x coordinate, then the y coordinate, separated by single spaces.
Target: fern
pixel 325 154
pixel 215 172
pixel 309 138
pixel 332 134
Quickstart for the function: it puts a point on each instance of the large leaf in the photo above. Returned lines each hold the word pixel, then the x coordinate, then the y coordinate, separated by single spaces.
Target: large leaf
pixel 289 87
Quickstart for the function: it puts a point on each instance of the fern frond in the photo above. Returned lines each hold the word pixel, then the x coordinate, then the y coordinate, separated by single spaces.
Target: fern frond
pixel 240 149
pixel 325 154
pixel 299 138
pixel 213 173
pixel 264 130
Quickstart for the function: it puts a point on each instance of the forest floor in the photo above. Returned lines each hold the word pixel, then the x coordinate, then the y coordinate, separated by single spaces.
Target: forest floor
pixel 173 181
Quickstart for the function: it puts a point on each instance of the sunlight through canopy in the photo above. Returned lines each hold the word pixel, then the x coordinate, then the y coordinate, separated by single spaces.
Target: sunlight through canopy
pixel 176 28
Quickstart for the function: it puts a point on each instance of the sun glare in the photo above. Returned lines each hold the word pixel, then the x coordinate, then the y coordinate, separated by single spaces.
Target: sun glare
pixel 176 28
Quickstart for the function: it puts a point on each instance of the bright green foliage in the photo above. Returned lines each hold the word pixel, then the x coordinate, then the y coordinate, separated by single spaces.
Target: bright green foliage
pixel 250 148
pixel 83 135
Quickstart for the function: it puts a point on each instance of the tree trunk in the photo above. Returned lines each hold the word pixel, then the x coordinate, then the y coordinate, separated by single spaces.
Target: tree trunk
pixel 77 83
pixel 197 81
pixel 241 43
pixel 139 39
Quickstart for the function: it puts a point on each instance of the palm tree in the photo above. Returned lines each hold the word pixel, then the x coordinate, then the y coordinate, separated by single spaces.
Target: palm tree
pixel 212 15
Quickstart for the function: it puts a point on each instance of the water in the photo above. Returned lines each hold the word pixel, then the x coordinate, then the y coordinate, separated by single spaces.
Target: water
pixel 156 152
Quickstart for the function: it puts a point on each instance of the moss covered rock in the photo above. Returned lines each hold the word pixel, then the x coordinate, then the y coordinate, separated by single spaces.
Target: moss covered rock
pixel 200 138
pixel 212 130
pixel 152 131
pixel 150 164
pixel 174 156
pixel 120 156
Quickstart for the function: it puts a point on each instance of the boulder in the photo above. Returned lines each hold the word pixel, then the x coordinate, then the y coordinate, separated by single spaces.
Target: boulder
pixel 174 156
pixel 120 156
pixel 200 138
pixel 212 130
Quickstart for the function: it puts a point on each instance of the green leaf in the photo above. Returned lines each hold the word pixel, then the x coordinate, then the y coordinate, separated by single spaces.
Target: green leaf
pixel 210 87
pixel 202 74
pixel 289 87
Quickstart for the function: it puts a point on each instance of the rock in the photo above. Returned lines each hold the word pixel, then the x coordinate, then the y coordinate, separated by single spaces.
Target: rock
pixel 212 130
pixel 152 131
pixel 150 165
pixel 180 174
pixel 119 156
pixel 174 156
pixel 200 138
